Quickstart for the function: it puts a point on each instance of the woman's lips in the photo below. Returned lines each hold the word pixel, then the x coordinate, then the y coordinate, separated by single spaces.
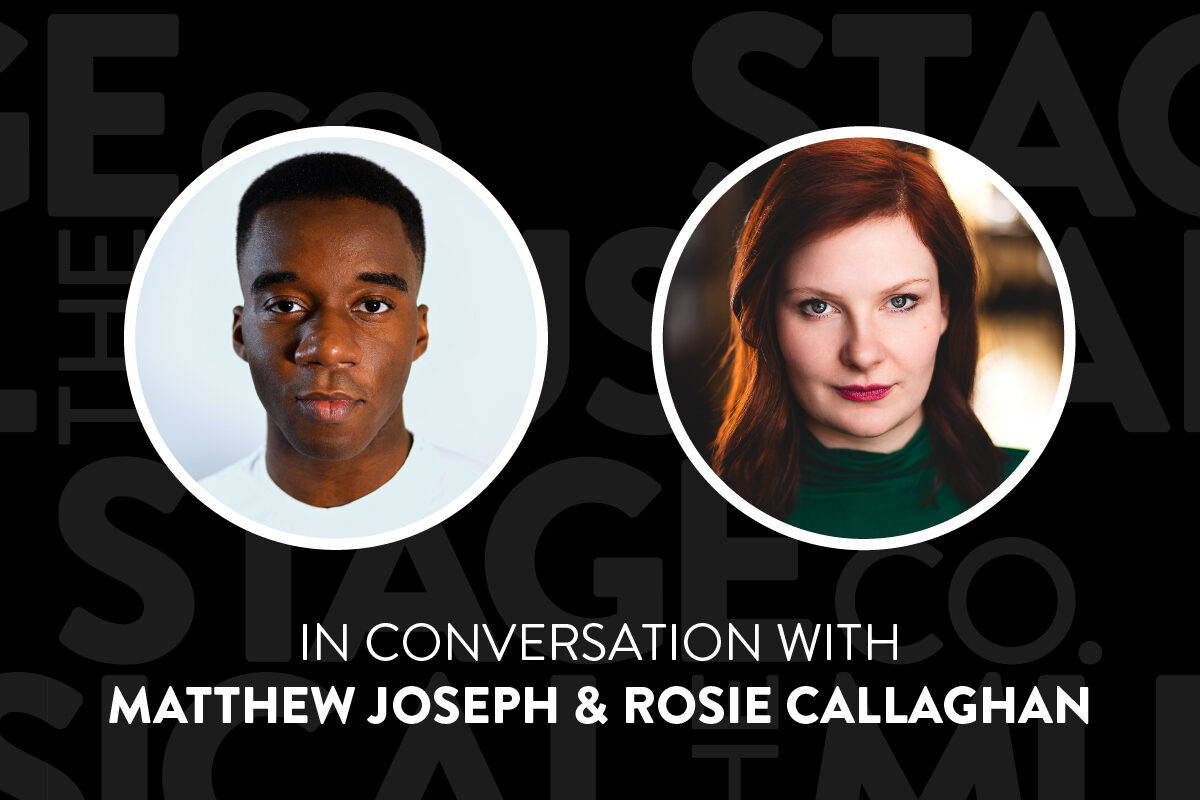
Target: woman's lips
pixel 327 408
pixel 863 394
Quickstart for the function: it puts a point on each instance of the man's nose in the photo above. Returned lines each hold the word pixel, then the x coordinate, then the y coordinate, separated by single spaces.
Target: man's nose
pixel 863 347
pixel 328 339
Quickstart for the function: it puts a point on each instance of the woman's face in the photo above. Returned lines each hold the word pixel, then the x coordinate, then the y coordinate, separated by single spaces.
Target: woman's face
pixel 859 317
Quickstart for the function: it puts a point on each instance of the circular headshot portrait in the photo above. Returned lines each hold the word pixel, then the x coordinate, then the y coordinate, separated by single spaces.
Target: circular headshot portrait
pixel 335 337
pixel 863 338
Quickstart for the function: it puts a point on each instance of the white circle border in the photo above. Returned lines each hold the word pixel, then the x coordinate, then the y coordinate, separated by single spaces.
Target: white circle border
pixel 330 132
pixel 702 465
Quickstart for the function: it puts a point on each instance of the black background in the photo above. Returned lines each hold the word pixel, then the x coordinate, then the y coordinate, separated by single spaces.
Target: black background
pixel 587 121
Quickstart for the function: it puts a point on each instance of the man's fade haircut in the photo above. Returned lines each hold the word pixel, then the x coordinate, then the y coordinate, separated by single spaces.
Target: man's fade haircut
pixel 332 176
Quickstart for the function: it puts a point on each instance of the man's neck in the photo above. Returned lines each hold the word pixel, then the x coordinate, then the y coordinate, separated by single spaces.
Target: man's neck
pixel 327 484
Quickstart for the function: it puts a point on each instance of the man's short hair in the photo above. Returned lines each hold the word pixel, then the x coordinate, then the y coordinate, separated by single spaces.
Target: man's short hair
pixel 332 176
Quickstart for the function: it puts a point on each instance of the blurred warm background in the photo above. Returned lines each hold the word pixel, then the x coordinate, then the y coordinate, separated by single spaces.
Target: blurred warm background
pixel 1020 314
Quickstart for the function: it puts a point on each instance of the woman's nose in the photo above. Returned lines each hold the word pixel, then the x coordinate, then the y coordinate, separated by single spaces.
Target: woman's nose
pixel 328 339
pixel 863 347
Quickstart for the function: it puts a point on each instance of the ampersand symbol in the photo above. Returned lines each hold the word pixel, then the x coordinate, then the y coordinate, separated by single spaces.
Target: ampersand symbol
pixel 589 712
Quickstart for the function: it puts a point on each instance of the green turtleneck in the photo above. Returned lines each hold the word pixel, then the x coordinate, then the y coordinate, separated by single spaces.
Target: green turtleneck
pixel 861 495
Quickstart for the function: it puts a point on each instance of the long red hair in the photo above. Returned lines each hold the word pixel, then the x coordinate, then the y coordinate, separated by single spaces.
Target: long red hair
pixel 817 190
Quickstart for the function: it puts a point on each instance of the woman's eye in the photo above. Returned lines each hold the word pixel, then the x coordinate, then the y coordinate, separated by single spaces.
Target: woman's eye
pixel 374 306
pixel 902 302
pixel 815 308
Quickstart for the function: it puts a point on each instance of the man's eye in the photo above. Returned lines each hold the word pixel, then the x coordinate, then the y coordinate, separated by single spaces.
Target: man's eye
pixel 373 306
pixel 284 306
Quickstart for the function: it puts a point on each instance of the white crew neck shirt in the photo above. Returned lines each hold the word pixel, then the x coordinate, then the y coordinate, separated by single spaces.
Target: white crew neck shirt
pixel 430 479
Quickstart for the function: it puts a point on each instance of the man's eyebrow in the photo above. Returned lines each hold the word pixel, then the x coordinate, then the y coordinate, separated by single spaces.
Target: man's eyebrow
pixel 272 278
pixel 386 278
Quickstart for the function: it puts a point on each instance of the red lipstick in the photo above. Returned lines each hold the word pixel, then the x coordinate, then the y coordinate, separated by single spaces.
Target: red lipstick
pixel 863 394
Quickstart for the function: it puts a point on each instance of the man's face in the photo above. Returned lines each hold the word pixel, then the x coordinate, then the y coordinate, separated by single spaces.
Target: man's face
pixel 330 325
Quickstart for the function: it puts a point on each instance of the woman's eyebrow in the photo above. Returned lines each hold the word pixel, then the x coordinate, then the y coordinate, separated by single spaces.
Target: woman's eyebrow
pixel 811 290
pixel 904 284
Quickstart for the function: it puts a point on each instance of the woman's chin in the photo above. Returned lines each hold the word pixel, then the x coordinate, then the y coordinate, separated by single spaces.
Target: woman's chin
pixel 875 433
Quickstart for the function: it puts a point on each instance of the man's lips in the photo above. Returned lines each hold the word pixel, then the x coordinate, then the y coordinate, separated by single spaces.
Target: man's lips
pixel 327 407
pixel 864 394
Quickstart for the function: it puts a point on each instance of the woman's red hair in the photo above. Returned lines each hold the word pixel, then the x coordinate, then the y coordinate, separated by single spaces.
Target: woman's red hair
pixel 815 191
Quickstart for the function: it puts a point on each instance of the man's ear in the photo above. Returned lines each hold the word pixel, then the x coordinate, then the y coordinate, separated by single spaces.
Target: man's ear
pixel 945 312
pixel 239 344
pixel 422 331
